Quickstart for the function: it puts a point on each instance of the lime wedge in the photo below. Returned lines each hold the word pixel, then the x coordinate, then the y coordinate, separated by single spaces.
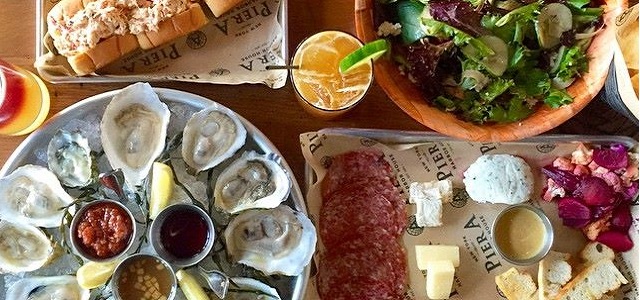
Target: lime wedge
pixel 370 51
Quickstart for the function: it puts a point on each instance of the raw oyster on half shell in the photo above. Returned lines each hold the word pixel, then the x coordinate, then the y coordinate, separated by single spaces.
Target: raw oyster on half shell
pixel 134 130
pixel 23 248
pixel 63 287
pixel 69 157
pixel 33 195
pixel 274 241
pixel 251 181
pixel 245 288
pixel 211 136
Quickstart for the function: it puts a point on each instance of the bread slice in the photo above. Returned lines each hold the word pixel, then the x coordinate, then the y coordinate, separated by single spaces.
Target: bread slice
pixel 103 53
pixel 594 252
pixel 593 282
pixel 177 26
pixel 219 7
pixel 554 271
pixel 516 285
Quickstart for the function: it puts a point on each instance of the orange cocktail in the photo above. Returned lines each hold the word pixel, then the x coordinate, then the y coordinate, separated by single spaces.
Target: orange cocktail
pixel 320 87
pixel 24 100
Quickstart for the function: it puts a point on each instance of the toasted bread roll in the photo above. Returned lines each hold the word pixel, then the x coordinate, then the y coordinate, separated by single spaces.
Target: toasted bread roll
pixel 103 53
pixel 219 7
pixel 95 33
pixel 177 26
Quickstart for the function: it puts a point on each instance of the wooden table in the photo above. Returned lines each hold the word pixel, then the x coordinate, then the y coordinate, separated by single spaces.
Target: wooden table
pixel 274 112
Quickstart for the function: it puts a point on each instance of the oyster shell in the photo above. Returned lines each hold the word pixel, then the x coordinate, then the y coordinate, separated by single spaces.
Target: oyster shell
pixel 251 181
pixel 33 195
pixel 133 131
pixel 23 248
pixel 274 241
pixel 244 288
pixel 211 136
pixel 69 157
pixel 63 287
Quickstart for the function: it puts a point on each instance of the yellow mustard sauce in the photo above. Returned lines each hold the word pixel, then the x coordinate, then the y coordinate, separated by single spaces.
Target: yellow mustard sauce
pixel 520 233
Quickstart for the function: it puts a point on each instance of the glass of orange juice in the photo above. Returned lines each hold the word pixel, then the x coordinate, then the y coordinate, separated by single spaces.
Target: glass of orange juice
pixel 24 100
pixel 320 87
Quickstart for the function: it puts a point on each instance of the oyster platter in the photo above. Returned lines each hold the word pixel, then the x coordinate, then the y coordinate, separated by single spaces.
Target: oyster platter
pixel 102 155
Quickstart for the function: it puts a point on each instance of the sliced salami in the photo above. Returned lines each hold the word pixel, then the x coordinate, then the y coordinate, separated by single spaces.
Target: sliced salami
pixel 361 220
pixel 367 163
pixel 375 206
pixel 365 268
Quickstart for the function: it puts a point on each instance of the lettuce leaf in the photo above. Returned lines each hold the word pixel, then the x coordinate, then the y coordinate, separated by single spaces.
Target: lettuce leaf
pixel 460 38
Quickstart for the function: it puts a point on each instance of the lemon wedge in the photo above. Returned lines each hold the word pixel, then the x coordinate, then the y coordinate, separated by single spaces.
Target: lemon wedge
pixel 190 287
pixel 94 274
pixel 370 51
pixel 161 188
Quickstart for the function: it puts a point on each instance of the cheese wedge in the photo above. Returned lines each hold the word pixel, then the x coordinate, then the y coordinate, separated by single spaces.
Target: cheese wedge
pixel 429 253
pixel 440 275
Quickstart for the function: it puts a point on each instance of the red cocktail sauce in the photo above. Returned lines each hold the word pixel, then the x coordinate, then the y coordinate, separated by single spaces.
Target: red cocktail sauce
pixel 104 230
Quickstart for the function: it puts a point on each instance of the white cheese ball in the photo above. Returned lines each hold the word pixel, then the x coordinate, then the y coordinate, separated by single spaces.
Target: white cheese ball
pixel 499 178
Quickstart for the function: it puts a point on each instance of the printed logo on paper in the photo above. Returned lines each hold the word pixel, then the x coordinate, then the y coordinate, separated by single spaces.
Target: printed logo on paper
pixel 413 229
pixel 545 148
pixel 196 39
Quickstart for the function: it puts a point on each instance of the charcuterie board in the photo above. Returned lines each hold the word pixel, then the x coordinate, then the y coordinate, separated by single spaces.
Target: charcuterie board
pixel 418 157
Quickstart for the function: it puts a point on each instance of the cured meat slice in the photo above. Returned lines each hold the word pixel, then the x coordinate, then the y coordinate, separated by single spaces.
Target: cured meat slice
pixel 366 268
pixel 367 163
pixel 355 216
pixel 356 210
pixel 362 218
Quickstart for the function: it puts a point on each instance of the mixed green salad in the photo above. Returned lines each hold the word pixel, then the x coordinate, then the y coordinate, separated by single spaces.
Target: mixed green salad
pixel 492 61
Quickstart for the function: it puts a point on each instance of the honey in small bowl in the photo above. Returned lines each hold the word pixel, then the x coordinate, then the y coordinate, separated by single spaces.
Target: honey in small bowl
pixel 522 234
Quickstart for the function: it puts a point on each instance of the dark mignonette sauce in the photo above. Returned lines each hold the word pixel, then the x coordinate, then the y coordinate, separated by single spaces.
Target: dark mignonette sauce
pixel 184 233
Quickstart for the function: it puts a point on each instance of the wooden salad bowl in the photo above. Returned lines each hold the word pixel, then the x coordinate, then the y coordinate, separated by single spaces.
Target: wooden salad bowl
pixel 411 100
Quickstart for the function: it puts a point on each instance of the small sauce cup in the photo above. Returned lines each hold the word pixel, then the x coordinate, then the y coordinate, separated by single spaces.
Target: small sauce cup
pixel 522 234
pixel 182 234
pixel 144 276
pixel 102 230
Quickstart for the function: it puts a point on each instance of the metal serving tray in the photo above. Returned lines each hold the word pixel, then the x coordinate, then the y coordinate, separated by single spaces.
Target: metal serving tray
pixel 43 7
pixel 88 113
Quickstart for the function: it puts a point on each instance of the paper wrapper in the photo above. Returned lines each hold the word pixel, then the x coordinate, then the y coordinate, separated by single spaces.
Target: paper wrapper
pixel 625 64
pixel 231 49
pixel 465 222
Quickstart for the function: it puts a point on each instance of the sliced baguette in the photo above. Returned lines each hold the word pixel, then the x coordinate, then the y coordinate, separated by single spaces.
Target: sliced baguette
pixel 177 26
pixel 593 282
pixel 594 252
pixel 554 271
pixel 516 285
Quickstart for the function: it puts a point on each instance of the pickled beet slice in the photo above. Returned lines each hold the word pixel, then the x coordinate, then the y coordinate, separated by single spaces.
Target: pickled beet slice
pixel 573 212
pixel 575 223
pixel 594 191
pixel 616 240
pixel 565 179
pixel 598 212
pixel 630 192
pixel 621 218
pixel 613 158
